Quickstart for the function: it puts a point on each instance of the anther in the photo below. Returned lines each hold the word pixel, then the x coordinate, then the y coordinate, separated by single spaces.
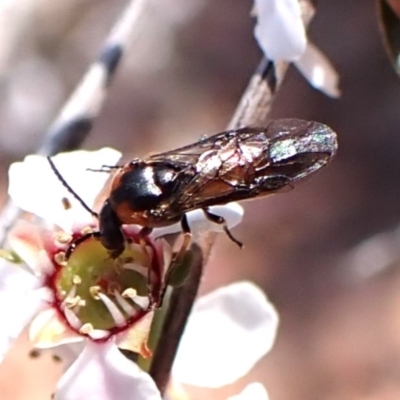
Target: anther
pixel 72 302
pixel 66 203
pixel 94 292
pixel 85 329
pixel 60 259
pixel 129 293
pixel 86 230
pixel 63 237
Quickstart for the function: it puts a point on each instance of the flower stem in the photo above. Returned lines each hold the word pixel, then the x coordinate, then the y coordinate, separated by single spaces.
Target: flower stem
pixel 256 101
pixel 252 109
pixel 75 120
pixel 179 307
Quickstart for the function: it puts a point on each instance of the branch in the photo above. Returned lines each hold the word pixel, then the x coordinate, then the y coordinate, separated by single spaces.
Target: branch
pixel 253 109
pixel 75 120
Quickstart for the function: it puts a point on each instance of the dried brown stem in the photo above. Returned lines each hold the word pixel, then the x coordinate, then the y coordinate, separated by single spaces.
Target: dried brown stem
pixel 75 120
pixel 253 109
pixel 179 308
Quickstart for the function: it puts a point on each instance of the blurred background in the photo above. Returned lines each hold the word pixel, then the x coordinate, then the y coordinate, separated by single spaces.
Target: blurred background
pixel 326 253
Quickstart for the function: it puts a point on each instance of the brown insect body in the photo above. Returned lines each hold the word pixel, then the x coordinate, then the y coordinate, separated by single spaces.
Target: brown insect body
pixel 230 166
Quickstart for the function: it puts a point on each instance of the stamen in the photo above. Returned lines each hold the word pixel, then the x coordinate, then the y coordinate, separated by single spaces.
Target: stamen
pixel 94 292
pixel 72 302
pixel 76 280
pixel 71 294
pixel 60 259
pixel 66 203
pixel 86 230
pixel 86 328
pixel 63 237
pixel 142 301
pixel 137 268
pixel 129 293
pixel 130 310
pixel 98 334
pixel 116 314
pixel 72 319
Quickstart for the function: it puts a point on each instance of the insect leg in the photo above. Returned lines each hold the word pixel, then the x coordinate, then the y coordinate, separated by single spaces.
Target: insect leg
pixel 217 219
pixel 145 231
pixel 187 237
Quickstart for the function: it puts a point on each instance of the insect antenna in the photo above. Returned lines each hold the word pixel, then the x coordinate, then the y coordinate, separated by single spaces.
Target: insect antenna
pixel 63 181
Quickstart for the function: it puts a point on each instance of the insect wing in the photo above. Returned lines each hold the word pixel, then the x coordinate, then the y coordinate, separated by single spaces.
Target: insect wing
pixel 249 162
pixel 191 153
pixel 216 165
pixel 298 148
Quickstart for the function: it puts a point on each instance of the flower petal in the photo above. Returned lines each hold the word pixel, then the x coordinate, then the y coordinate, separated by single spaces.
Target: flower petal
pixel 229 330
pixel 253 391
pixel 69 352
pixel 17 308
pixel 319 72
pixel 102 372
pixel 27 240
pixel 48 330
pixel 14 278
pixel 231 212
pixel 135 338
pixel 35 188
pixel 280 30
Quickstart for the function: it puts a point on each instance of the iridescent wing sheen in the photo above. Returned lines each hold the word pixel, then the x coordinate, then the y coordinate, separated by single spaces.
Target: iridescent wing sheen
pixel 248 162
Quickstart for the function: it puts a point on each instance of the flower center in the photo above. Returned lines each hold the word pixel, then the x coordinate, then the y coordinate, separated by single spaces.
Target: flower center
pixel 98 295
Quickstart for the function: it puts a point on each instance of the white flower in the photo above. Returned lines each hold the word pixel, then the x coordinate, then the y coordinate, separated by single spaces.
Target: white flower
pixel 60 308
pixel 253 391
pixel 281 35
pixel 34 187
pixel 92 377
pixel 89 296
pixel 280 30
pixel 318 71
pixel 244 324
pixel 228 331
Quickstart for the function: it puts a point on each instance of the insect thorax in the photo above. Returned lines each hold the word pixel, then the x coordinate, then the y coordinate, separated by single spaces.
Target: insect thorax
pixel 144 187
